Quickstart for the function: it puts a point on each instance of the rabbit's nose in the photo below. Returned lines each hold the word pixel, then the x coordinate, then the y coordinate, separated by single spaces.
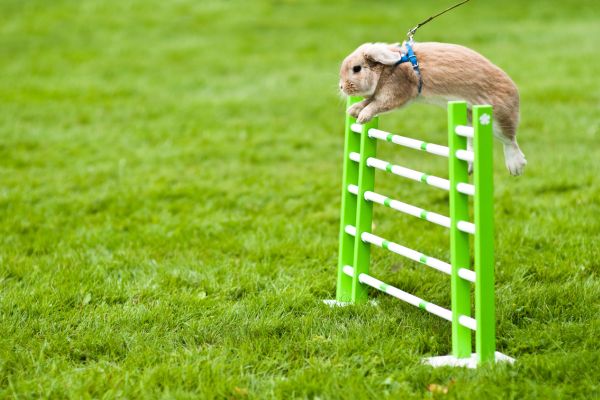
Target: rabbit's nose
pixel 341 86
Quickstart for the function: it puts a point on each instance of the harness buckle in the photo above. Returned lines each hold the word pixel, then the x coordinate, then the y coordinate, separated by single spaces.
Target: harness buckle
pixel 414 61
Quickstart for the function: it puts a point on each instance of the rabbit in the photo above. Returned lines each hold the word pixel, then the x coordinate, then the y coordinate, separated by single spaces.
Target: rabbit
pixel 448 72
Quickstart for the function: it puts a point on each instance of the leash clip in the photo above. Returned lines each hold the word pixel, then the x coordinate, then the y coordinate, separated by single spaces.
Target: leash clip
pixel 411 35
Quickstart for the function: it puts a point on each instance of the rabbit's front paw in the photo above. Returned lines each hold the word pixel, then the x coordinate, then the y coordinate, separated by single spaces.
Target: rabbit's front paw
pixel 364 116
pixel 355 109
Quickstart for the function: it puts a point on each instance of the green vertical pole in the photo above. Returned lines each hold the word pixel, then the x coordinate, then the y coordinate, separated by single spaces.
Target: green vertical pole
pixel 364 212
pixel 459 241
pixel 485 342
pixel 348 217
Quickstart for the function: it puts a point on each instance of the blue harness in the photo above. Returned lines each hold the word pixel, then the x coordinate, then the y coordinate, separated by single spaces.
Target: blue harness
pixel 412 58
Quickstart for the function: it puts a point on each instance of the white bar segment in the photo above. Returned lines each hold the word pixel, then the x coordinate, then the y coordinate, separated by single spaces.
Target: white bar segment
pixel 408 253
pixel 400 294
pixel 404 141
pixel 466 274
pixel 437 149
pixel 411 254
pixel 465 155
pixel 350 230
pixel 411 299
pixel 401 250
pixel 466 227
pixel 439 311
pixel 466 188
pixel 431 180
pixel 356 128
pixel 437 219
pixel 463 130
pixel 410 143
pixel 403 207
pixel 468 322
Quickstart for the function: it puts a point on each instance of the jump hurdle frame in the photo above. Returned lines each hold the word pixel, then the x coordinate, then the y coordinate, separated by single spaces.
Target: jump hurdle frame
pixel 358 196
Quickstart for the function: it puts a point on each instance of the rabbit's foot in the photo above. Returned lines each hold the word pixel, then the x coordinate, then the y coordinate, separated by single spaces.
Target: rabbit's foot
pixel 355 109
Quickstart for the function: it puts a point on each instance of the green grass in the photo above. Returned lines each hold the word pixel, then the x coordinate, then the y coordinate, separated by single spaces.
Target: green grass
pixel 170 192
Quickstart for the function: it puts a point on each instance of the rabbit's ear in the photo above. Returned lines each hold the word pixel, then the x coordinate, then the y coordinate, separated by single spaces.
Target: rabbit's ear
pixel 382 53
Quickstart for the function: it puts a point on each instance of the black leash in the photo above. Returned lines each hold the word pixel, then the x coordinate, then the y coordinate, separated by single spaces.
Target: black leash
pixel 411 33
pixel 410 55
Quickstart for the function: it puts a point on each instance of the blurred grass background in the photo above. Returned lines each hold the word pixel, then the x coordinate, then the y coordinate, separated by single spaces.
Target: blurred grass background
pixel 170 193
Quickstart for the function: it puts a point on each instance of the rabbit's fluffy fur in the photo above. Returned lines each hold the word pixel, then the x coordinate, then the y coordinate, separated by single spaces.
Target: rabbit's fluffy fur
pixel 449 72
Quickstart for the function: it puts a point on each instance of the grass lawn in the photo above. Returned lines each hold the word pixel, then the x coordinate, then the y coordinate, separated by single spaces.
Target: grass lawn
pixel 170 190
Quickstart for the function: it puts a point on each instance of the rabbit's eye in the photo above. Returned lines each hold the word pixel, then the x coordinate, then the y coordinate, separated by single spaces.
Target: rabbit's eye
pixel 356 68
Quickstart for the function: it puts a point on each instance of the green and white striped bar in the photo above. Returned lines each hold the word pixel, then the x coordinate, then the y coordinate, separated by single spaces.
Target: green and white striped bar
pixel 464 131
pixel 411 254
pixel 416 144
pixel 430 216
pixel 446 314
pixel 404 141
pixel 431 180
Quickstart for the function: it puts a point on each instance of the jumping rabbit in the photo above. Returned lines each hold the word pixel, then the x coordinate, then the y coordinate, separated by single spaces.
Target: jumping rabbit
pixel 448 72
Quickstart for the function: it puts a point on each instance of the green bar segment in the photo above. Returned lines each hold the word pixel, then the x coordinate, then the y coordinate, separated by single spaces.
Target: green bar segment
pixel 485 315
pixel 459 241
pixel 364 212
pixel 348 213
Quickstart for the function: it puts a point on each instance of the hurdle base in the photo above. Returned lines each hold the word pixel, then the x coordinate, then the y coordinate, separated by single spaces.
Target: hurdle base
pixel 471 362
pixel 335 303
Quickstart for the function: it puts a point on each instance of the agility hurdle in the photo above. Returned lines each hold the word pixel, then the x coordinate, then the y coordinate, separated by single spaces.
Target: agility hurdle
pixel 356 238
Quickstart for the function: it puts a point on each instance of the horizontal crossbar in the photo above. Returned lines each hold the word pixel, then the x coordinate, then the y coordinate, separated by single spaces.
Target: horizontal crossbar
pixel 463 130
pixel 404 141
pixel 444 313
pixel 431 180
pixel 465 155
pixel 411 254
pixel 430 216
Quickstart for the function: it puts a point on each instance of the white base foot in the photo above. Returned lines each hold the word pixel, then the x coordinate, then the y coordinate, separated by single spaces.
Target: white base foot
pixel 471 362
pixel 335 303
